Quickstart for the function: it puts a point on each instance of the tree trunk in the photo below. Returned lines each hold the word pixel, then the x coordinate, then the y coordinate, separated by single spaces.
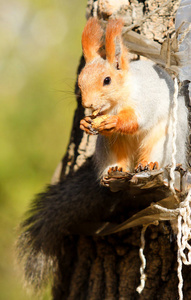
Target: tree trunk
pixel 60 232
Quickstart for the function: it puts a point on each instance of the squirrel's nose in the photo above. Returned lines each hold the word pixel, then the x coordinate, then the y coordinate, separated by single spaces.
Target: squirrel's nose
pixel 87 105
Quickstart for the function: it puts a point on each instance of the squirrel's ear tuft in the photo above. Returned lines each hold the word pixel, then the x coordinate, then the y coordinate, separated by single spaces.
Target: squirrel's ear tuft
pixel 92 39
pixel 116 53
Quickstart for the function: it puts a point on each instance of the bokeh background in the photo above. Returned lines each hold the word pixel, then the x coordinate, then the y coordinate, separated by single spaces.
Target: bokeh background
pixel 40 47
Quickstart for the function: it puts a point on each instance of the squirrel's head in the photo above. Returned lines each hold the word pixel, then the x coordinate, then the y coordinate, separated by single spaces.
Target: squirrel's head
pixel 103 78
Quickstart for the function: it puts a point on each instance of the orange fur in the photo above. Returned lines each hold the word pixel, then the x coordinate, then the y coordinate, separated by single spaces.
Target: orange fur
pixel 92 39
pixel 126 149
pixel 127 121
pixel 121 152
pixel 113 32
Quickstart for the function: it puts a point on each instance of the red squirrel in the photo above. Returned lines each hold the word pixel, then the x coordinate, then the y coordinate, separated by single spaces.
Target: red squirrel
pixel 131 104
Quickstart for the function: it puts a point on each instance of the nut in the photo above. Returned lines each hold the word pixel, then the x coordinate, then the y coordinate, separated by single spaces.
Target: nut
pixel 96 112
pixel 98 120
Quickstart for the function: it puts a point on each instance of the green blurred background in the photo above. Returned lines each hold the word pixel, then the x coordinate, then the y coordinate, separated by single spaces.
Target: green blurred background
pixel 40 47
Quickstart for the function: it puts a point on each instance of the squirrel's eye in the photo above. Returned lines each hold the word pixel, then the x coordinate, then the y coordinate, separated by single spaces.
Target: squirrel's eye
pixel 107 80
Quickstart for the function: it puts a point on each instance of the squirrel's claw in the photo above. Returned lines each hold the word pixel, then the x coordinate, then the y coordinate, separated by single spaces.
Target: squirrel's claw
pixel 115 169
pixel 145 166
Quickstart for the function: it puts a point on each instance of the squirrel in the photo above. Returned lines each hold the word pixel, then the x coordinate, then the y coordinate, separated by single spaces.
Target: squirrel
pixel 131 104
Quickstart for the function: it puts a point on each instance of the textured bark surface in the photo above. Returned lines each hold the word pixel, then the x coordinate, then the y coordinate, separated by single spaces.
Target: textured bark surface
pixel 108 268
pixel 57 233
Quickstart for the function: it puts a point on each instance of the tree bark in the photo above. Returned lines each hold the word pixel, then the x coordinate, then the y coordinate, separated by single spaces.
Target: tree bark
pixel 59 234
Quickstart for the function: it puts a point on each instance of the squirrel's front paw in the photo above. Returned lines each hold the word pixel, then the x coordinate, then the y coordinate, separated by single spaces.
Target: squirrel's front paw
pixel 103 124
pixel 86 125
pixel 108 126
